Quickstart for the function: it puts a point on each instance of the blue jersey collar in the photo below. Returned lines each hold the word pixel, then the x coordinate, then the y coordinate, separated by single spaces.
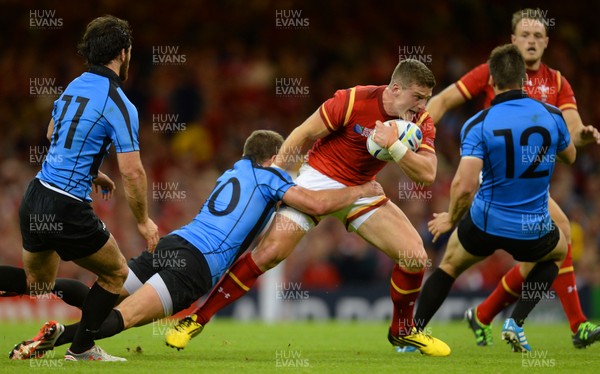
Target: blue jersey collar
pixel 105 72
pixel 509 95
pixel 254 163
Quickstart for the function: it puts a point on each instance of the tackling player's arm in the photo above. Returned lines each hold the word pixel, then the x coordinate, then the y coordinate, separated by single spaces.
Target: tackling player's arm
pixel 323 202
pixel 135 185
pixel 296 145
pixel 449 98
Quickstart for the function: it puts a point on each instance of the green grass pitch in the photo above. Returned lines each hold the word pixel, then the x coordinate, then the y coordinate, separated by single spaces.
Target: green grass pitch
pixel 331 347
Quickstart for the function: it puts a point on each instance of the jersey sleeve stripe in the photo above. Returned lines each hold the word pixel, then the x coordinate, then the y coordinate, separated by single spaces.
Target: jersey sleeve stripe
pixel 567 106
pixel 350 105
pixel 118 100
pixel 474 122
pixel 558 81
pixel 463 90
pixel 276 172
pixel 325 118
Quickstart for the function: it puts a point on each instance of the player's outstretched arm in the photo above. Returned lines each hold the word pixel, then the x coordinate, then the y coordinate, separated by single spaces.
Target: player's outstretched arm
pixel 135 184
pixel 581 134
pixel 291 154
pixel 448 99
pixel 328 201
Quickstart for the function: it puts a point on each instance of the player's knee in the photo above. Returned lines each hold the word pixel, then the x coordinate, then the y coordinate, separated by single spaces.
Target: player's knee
pixel 121 274
pixel 449 268
pixel 114 278
pixel 565 227
pixel 414 259
pixel 414 264
pixel 560 252
pixel 562 222
pixel 268 256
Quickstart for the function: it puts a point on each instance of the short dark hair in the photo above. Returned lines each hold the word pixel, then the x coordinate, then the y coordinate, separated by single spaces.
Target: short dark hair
pixel 262 145
pixel 528 13
pixel 412 71
pixel 103 40
pixel 507 67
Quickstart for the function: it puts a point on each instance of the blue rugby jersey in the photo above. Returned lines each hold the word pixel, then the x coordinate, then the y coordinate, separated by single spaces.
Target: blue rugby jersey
pixel 236 211
pixel 92 113
pixel 518 139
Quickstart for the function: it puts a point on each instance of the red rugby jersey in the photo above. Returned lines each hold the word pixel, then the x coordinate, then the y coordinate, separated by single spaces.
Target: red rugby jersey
pixel 545 84
pixel 350 116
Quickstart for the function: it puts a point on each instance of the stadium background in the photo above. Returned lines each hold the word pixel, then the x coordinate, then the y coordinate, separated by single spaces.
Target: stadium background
pixel 204 74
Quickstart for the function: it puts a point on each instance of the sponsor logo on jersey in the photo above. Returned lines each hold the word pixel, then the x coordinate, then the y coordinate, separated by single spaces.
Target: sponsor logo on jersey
pixel 363 131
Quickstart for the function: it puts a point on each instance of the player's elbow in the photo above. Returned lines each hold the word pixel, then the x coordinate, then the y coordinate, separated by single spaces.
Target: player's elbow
pixel 427 176
pixel 463 190
pixel 569 155
pixel 464 187
pixel 133 175
pixel 572 156
pixel 133 172
pixel 571 160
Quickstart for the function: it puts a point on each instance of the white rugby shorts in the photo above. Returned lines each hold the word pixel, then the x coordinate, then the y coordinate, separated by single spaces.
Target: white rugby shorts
pixel 351 216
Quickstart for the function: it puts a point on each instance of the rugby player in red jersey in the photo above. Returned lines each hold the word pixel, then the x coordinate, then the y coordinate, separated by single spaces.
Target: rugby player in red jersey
pixel 336 135
pixel 529 34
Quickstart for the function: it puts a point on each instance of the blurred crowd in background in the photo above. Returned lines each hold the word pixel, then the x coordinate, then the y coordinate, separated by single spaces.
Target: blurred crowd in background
pixel 205 74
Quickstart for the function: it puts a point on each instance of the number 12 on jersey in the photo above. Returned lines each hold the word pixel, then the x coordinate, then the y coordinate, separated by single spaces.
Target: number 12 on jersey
pixel 531 171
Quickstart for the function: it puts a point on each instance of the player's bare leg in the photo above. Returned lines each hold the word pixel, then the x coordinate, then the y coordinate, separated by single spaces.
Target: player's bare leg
pixel 278 243
pixel 541 275
pixel 584 333
pixel 390 230
pixel 507 291
pixel 141 308
pixel 41 269
pixel 110 266
pixel 435 290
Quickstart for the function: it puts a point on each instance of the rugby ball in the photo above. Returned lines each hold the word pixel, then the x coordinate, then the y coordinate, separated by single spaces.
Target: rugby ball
pixel 408 133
